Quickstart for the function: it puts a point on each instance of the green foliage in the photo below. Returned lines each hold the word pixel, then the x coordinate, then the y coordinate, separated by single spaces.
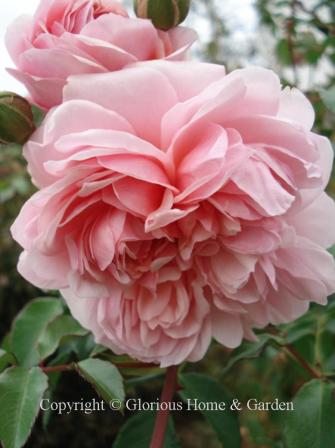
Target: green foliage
pixel 305 52
pixel 283 52
pixel 30 325
pixel 43 331
pixel 224 421
pixel 6 359
pixel 251 350
pixel 104 377
pixel 137 430
pixel 21 391
pixel 313 337
pixel 55 332
pixel 311 424
pixel 15 187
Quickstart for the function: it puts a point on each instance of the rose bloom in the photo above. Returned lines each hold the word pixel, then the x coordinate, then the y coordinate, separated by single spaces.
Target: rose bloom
pixel 179 204
pixel 71 37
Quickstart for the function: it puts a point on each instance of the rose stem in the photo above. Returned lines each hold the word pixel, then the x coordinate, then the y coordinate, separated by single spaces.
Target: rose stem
pixel 59 368
pixel 300 360
pixel 170 384
pixel 123 365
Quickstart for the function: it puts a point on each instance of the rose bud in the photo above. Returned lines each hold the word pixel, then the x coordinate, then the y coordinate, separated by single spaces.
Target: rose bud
pixel 164 14
pixel 16 118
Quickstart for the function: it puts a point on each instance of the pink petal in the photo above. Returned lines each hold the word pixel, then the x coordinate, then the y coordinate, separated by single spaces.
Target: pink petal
pixel 115 91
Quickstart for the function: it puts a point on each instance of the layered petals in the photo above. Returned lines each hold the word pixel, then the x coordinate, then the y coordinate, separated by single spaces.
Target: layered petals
pixel 67 38
pixel 178 204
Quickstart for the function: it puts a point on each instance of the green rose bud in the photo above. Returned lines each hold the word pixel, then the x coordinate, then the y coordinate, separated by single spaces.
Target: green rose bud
pixel 164 14
pixel 16 118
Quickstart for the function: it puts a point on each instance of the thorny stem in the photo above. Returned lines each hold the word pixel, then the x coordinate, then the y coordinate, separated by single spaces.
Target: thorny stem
pixel 169 388
pixel 59 368
pixel 124 365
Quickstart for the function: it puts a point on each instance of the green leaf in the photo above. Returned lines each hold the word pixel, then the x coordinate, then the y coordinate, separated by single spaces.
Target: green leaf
pixel 6 359
pixel 250 350
pixel 311 424
pixel 97 350
pixel 21 391
pixel 55 331
pixel 104 377
pixel 328 98
pixel 138 429
pixel 29 325
pixel 54 379
pixel 47 414
pixel 140 379
pixel 82 347
pixel 204 389
pixel 6 343
pixel 283 52
pixel 311 49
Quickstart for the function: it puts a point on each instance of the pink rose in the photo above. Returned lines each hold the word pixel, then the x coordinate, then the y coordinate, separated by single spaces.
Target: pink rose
pixel 179 204
pixel 71 37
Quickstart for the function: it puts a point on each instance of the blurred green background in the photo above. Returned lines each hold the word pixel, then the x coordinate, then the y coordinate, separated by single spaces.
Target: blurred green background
pixel 297 40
